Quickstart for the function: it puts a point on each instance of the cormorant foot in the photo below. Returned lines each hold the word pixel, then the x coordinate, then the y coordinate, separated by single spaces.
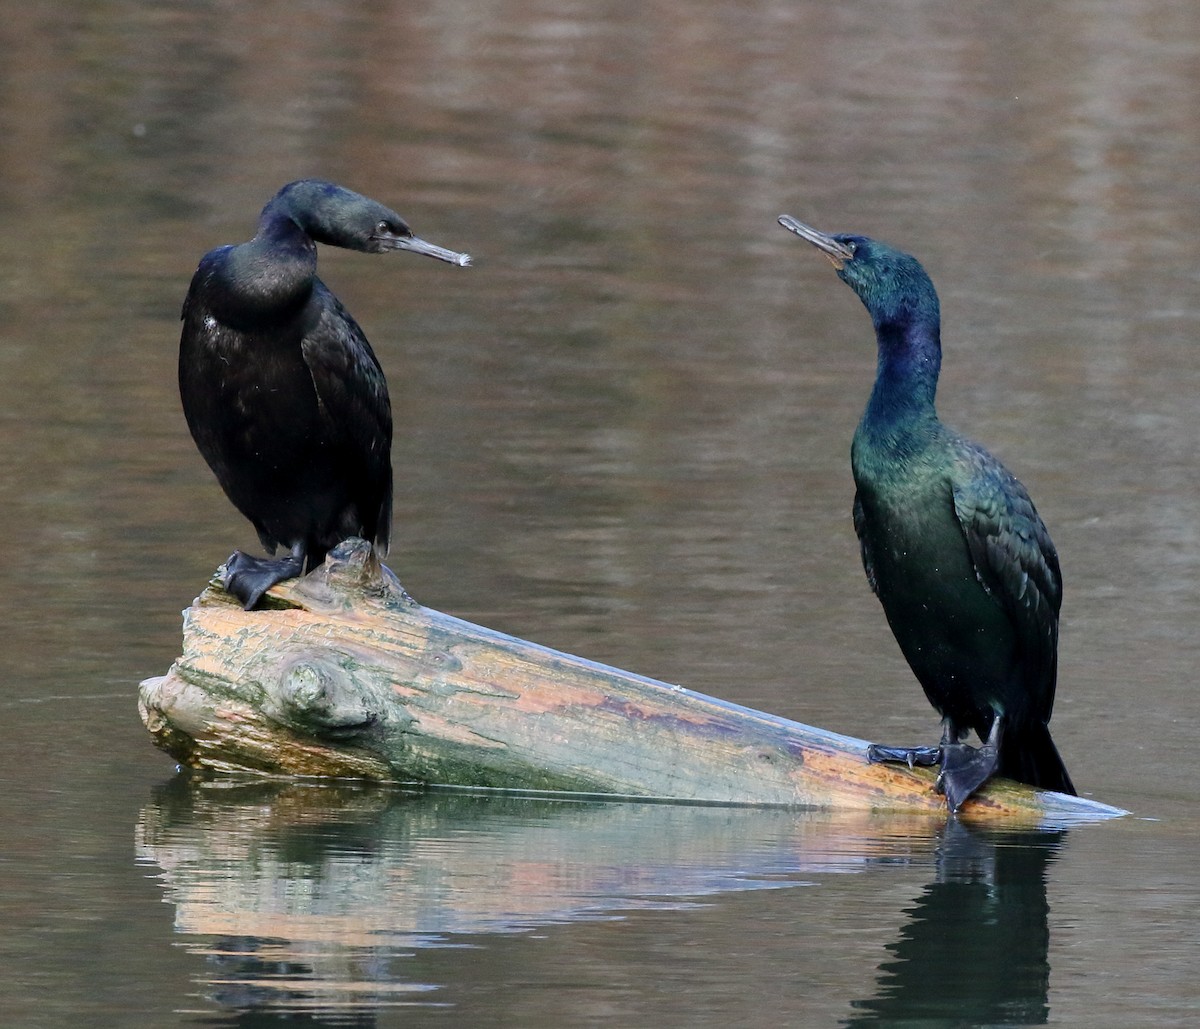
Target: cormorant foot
pixel 911 756
pixel 964 770
pixel 248 578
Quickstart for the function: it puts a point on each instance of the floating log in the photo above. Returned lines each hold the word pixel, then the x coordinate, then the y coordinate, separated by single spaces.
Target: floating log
pixel 343 674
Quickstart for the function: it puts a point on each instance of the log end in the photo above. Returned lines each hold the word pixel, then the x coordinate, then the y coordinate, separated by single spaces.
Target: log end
pixel 212 733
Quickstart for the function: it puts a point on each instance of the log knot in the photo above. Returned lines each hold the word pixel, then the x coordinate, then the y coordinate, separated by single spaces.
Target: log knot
pixel 323 696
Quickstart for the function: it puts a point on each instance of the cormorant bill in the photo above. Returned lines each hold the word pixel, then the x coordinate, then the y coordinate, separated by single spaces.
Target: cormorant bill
pixel 282 393
pixel 951 543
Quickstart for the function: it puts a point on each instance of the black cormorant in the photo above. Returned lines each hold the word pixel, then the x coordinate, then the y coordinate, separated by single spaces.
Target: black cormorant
pixel 281 391
pixel 951 543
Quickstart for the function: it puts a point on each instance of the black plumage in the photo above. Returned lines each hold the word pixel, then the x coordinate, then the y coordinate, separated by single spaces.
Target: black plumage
pixel 281 390
pixel 951 543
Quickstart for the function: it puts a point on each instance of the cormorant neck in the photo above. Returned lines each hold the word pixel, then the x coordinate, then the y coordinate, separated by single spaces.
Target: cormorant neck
pixel 910 358
pixel 277 267
pixel 283 234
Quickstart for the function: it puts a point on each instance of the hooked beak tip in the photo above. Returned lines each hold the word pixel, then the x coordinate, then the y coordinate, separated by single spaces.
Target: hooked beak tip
pixel 416 245
pixel 836 252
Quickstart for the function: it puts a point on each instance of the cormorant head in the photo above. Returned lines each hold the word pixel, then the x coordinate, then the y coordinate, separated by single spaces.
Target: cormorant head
pixel 332 214
pixel 892 285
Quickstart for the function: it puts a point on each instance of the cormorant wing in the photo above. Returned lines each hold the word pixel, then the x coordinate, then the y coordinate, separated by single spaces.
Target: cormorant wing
pixel 352 392
pixel 1014 558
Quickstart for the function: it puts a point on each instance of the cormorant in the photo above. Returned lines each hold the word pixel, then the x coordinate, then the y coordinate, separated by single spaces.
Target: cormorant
pixel 281 391
pixel 951 543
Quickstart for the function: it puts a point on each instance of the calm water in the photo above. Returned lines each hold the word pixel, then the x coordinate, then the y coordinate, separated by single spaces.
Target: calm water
pixel 623 433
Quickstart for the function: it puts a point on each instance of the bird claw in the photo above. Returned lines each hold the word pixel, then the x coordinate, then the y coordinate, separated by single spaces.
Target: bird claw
pixel 911 756
pixel 248 578
pixel 964 770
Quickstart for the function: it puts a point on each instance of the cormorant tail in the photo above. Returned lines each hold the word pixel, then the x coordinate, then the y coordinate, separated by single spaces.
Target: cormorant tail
pixel 1031 757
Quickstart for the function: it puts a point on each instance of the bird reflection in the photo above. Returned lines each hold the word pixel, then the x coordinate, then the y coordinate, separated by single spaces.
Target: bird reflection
pixel 975 950
pixel 248 985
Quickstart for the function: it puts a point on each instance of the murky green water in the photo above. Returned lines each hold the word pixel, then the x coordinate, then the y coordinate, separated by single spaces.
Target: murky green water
pixel 624 433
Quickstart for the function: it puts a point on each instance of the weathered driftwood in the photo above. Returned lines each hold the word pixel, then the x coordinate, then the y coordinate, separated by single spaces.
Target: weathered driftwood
pixel 343 674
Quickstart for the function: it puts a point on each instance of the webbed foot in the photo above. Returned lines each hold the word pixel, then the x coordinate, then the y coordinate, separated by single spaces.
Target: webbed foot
pixel 964 770
pixel 911 756
pixel 248 578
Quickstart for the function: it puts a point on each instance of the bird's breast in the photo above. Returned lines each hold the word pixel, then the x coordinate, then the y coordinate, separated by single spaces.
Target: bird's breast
pixel 913 533
pixel 908 523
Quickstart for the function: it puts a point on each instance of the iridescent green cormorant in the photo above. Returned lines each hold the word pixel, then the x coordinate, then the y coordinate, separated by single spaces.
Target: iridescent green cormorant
pixel 951 543
pixel 282 393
